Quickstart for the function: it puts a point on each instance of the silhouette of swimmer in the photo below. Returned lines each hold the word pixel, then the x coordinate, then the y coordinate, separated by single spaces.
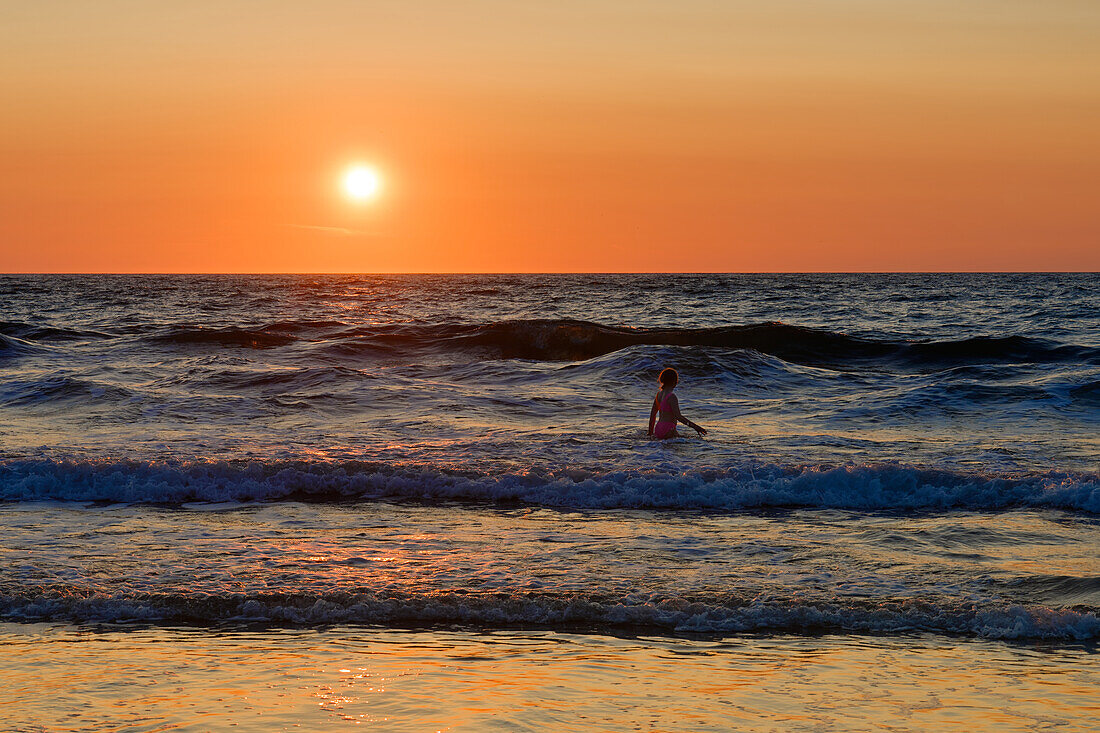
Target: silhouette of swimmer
pixel 668 406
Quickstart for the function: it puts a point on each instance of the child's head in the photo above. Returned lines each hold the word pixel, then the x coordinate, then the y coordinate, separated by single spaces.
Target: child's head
pixel 669 378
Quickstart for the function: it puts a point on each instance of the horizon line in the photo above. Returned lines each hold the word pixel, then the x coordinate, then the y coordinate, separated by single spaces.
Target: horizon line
pixel 561 272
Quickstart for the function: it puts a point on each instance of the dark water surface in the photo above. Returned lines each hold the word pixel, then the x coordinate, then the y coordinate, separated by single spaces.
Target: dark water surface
pixel 887 453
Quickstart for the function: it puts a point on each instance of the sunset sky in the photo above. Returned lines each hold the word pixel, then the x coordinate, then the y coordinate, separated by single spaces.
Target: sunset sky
pixel 601 135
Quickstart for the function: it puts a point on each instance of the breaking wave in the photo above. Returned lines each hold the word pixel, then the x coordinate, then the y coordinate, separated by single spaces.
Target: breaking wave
pixel 636 612
pixel 883 487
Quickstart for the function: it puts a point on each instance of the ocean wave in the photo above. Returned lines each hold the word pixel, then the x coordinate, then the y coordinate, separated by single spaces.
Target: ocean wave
pixel 230 336
pixel 281 380
pixel 1088 393
pixel 636 612
pixel 11 346
pixel 1065 589
pixel 300 326
pixel 572 340
pixel 575 340
pixel 55 388
pixel 38 332
pixel 885 487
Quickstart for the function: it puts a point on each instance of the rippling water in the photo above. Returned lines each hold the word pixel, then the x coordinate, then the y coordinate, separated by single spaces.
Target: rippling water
pixel 887 454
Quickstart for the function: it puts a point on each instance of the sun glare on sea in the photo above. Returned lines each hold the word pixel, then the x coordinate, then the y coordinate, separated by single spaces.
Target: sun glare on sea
pixel 362 182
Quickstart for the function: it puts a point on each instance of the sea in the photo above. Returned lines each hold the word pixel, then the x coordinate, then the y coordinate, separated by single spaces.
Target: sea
pixel 429 502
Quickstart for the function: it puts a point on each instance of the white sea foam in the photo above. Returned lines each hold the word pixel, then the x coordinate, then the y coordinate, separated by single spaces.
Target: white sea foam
pixel 856 487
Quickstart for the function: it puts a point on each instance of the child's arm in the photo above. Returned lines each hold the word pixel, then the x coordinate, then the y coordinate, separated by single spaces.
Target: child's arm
pixel 652 417
pixel 680 417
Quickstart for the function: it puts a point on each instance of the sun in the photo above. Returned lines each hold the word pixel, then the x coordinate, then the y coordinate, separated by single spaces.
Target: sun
pixel 362 182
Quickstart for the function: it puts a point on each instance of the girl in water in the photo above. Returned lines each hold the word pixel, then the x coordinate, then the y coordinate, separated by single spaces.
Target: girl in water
pixel 669 408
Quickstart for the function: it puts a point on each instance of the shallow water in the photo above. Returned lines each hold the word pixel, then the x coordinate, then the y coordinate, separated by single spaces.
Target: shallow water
pixel 287 679
pixel 1019 575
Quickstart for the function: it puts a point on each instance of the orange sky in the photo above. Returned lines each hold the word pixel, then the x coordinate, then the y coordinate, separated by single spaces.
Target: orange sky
pixel 562 136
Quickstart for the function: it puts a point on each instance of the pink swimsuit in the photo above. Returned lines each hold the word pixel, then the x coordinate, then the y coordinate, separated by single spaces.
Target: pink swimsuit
pixel 664 428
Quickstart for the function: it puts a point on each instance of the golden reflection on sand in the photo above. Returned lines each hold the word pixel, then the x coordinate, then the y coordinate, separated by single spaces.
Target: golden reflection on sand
pixel 66 679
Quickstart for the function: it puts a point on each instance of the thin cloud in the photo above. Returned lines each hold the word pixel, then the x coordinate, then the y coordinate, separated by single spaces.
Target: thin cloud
pixel 336 231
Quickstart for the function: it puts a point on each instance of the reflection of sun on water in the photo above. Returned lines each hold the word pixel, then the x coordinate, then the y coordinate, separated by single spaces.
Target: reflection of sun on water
pixel 362 182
